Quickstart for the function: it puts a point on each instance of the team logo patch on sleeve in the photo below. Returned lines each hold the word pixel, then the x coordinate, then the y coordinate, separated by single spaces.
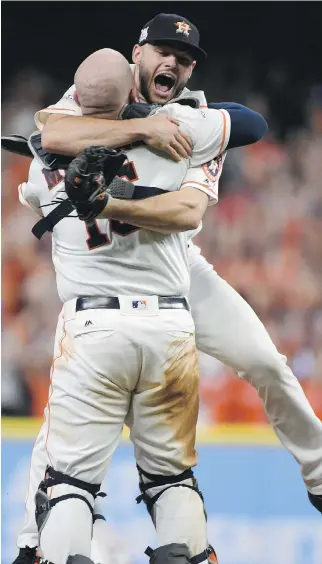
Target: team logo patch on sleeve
pixel 212 169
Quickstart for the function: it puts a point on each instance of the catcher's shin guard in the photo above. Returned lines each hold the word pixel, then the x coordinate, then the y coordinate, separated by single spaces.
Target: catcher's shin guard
pixel 79 559
pixel 64 522
pixel 151 481
pixel 179 554
pixel 170 553
pixel 54 478
pixel 176 507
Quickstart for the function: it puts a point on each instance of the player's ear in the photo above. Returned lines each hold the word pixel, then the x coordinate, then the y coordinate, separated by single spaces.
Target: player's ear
pixel 136 54
pixel 193 64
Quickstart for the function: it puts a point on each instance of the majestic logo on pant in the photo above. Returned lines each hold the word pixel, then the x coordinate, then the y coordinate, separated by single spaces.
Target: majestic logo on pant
pixel 139 304
pixel 87 323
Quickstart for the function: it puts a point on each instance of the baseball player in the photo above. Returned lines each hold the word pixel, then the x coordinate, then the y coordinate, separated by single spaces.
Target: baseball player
pixel 226 326
pixel 131 356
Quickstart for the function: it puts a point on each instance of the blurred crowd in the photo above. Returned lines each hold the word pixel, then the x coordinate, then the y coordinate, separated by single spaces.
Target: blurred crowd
pixel 264 238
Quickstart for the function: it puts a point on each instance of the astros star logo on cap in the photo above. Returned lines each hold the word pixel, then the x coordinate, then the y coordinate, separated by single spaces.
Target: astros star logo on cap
pixel 183 27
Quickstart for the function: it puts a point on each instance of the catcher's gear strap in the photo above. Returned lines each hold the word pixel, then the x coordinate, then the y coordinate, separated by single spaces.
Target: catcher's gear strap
pixel 157 481
pixel 207 554
pixel 118 188
pixel 50 161
pixel 138 110
pixel 48 223
pixel 32 148
pixel 16 144
pixel 54 478
pixel 98 517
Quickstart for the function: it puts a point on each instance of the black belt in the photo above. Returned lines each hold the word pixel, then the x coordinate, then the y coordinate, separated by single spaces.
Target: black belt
pixel 103 302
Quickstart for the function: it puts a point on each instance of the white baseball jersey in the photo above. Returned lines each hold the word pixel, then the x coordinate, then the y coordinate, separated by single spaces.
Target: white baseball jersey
pixel 69 105
pixel 112 258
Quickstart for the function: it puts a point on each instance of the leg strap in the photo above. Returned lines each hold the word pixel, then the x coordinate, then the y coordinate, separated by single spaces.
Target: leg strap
pixel 98 517
pixel 169 481
pixel 54 478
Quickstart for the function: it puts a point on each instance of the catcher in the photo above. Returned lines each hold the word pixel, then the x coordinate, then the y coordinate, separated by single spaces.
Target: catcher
pixel 125 337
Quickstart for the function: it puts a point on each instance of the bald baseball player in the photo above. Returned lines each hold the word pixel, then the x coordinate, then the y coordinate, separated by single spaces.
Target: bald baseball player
pixel 226 326
pixel 118 356
pixel 94 89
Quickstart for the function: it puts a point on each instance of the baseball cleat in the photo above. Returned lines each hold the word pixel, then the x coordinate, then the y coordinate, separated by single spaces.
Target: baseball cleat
pixel 26 555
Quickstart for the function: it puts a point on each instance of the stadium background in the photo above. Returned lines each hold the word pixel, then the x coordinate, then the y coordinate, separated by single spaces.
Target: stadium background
pixel 264 238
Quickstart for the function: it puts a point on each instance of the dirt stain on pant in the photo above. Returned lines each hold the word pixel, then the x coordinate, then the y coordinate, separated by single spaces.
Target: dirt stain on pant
pixel 179 395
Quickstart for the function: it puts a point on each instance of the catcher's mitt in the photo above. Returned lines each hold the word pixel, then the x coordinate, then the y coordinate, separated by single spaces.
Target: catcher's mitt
pixel 88 177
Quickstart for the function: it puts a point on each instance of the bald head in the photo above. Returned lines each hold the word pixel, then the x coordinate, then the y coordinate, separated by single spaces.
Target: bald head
pixel 103 83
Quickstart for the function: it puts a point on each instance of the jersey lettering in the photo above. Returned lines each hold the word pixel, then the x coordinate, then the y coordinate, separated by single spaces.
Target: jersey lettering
pixel 52 177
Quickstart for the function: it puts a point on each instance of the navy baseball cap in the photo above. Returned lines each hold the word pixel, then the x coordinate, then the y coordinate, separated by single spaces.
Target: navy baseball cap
pixel 173 29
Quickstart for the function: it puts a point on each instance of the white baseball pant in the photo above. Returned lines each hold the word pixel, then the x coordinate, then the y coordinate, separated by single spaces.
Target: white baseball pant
pixel 117 365
pixel 228 329
pixel 106 546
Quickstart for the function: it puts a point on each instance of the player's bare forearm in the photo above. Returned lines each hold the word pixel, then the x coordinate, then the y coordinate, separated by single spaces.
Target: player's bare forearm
pixel 168 213
pixel 68 135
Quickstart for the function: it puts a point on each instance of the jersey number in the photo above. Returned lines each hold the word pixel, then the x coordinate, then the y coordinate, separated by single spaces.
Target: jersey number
pixel 96 237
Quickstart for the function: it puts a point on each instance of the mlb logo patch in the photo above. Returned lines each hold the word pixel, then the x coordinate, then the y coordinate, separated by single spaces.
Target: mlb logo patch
pixel 139 304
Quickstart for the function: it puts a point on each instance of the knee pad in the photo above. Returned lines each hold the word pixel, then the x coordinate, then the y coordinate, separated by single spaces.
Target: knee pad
pixel 53 478
pixel 168 482
pixel 171 553
pixel 179 554
pixel 79 559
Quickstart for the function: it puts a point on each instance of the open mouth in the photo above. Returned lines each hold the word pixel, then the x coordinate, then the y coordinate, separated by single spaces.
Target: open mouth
pixel 164 84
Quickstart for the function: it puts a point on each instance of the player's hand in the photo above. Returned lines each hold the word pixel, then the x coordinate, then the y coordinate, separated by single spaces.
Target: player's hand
pixel 162 133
